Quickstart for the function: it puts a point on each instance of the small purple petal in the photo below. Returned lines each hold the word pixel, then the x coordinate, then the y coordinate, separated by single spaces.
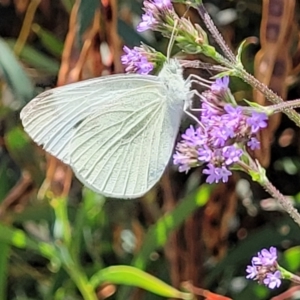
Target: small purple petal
pixel 273 280
pixel 220 85
pixel 252 270
pixel 233 111
pixel 194 137
pixel 131 54
pixel 163 4
pixel 268 257
pixel 182 161
pixel 144 67
pixel 253 143
pixel 205 154
pixel 212 173
pixel 148 21
pixel 224 173
pixel 257 121
pixel 215 174
pixel 232 154
pixel 136 60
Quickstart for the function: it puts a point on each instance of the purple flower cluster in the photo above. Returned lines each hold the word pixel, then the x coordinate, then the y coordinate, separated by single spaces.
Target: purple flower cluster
pixel 136 60
pixel 264 268
pixel 155 13
pixel 220 139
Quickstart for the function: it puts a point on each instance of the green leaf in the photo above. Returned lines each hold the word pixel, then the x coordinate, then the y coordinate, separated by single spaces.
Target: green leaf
pixel 49 41
pixel 134 277
pixel 7 179
pixel 291 257
pixel 4 260
pixel 130 36
pixel 14 75
pixel 23 152
pixel 241 49
pixel 36 59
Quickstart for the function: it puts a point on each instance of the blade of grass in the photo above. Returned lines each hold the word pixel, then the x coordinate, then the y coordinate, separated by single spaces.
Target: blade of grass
pixel 36 59
pixel 4 259
pixel 14 75
pixel 134 277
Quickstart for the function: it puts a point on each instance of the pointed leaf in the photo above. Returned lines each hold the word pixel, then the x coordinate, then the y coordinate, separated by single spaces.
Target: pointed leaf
pixel 134 277
pixel 14 75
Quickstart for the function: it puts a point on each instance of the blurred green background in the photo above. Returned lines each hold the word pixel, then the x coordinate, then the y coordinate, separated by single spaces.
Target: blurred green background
pixel 59 240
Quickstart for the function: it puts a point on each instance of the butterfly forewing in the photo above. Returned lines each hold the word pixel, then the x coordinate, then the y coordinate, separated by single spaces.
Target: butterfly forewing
pixel 116 132
pixel 52 117
pixel 123 149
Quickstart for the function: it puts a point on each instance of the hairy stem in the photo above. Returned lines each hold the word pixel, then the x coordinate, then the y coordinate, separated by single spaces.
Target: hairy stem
pixel 284 201
pixel 215 32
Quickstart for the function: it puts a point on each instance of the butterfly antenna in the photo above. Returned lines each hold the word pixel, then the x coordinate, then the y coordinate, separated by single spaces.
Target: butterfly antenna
pixel 172 40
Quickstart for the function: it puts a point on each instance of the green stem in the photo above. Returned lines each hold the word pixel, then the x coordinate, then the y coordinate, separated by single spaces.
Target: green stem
pixel 62 228
pixel 63 236
pixel 287 104
pixel 76 274
pixel 258 174
pixel 215 32
pixel 288 275
pixel 268 93
pixel 81 281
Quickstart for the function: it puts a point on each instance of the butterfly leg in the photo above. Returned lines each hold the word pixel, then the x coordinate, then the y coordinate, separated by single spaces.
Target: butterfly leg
pixel 193 78
pixel 188 106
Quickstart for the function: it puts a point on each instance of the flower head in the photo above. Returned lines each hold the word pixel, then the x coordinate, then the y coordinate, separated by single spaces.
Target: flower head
pixel 257 121
pixel 136 60
pixel 148 22
pixel 225 130
pixel 265 257
pixel 273 280
pixel 264 268
pixel 220 85
pixel 156 12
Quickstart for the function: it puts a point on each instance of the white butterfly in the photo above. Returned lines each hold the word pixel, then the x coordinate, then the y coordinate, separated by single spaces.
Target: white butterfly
pixel 117 132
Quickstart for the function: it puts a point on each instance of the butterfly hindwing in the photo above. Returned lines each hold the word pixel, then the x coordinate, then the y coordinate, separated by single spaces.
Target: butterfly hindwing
pixel 123 149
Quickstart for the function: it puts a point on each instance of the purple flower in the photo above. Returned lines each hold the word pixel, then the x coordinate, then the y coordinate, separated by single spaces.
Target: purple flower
pixel 273 280
pixel 234 112
pixel 215 174
pixel 219 136
pixel 205 154
pixel 193 137
pixel 224 173
pixel 212 173
pixel 265 257
pixel 257 121
pixel 148 22
pixel 136 61
pixel 253 143
pixel 225 129
pixel 208 111
pixel 156 12
pixel 252 270
pixel 232 154
pixel 161 4
pixel 144 66
pixel 182 161
pixel 220 85
pixel 264 268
